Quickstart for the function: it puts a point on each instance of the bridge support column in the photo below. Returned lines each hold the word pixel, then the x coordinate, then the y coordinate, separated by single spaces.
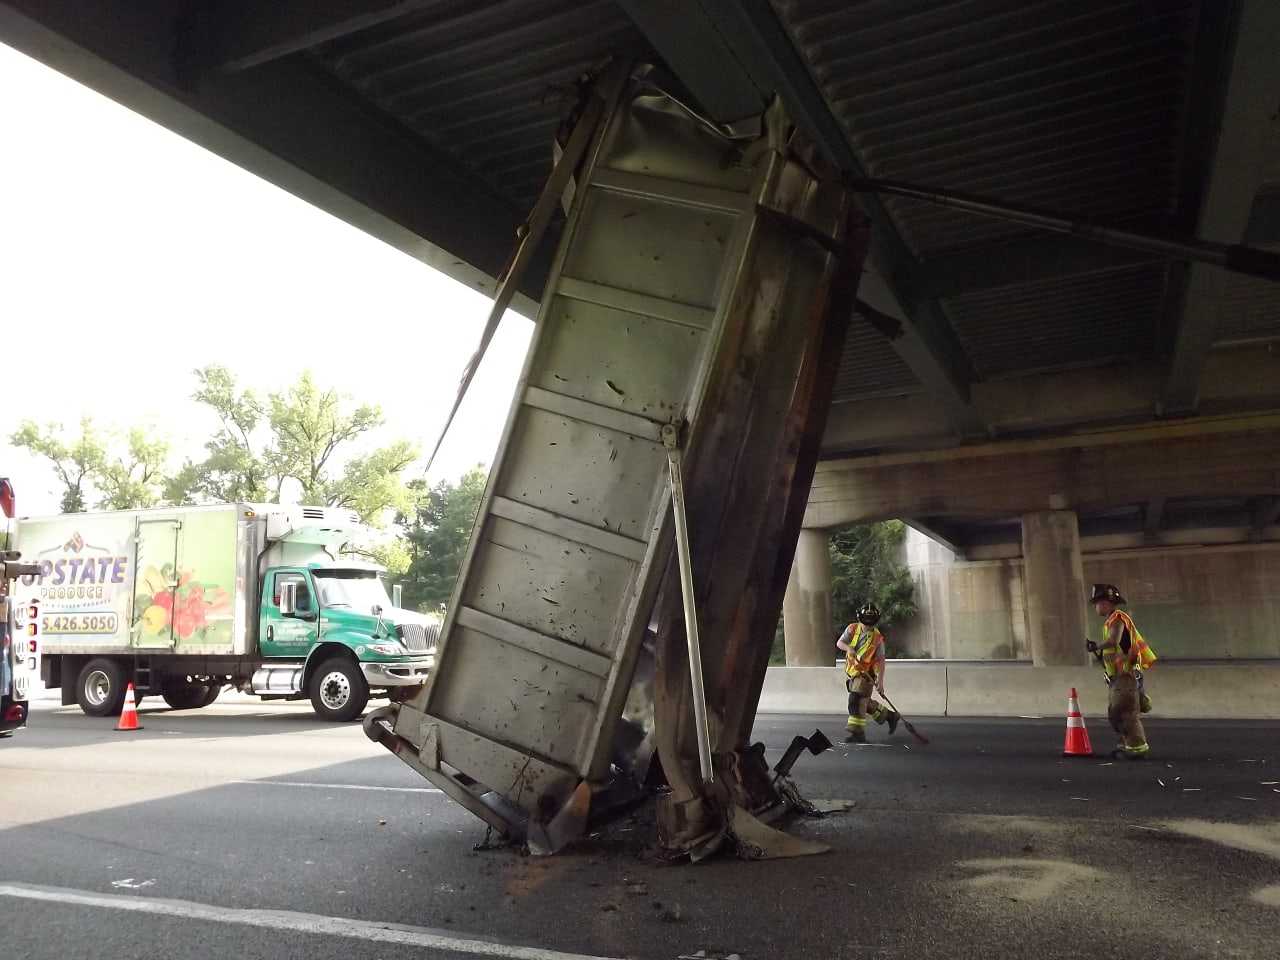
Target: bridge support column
pixel 1053 578
pixel 806 610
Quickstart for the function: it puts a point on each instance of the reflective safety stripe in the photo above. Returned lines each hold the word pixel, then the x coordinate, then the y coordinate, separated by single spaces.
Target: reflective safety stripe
pixel 864 650
pixel 1076 721
pixel 857 722
pixel 1115 660
pixel 1140 748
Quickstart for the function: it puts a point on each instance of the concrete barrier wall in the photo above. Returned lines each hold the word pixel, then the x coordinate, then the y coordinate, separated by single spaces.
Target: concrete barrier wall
pixel 1180 690
pixel 916 688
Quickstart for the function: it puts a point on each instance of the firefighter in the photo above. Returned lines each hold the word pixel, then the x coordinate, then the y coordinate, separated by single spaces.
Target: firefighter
pixel 1124 656
pixel 863 647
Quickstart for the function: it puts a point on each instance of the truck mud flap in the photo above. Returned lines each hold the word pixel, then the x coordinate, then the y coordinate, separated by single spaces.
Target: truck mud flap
pixel 535 663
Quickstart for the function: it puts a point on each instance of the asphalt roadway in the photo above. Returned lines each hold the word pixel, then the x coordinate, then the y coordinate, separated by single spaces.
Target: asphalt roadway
pixel 247 830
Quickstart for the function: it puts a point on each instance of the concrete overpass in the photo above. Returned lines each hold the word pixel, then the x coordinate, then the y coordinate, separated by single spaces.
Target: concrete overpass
pixel 1025 397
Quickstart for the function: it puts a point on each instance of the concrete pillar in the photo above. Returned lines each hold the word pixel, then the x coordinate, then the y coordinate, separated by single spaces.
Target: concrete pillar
pixel 806 609
pixel 1053 579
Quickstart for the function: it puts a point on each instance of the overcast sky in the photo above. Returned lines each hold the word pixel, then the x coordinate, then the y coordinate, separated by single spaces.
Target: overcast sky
pixel 129 256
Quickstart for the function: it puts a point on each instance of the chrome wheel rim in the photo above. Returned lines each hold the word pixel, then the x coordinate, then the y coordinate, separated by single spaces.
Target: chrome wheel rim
pixel 335 690
pixel 97 688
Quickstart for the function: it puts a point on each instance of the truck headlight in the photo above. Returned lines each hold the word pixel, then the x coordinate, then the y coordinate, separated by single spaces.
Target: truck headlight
pixel 386 649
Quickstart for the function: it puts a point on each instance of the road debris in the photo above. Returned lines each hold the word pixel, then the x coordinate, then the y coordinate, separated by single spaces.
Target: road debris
pixel 1246 798
pixel 1159 781
pixel 1268 783
pixel 1080 798
pixel 128 883
pixel 1190 789
pixel 833 805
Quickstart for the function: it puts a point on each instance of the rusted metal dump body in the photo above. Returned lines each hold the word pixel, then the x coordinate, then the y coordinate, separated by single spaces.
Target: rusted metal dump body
pixel 669 279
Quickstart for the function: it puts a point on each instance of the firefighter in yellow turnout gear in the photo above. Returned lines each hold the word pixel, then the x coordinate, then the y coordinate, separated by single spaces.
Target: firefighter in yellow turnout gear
pixel 1124 656
pixel 863 647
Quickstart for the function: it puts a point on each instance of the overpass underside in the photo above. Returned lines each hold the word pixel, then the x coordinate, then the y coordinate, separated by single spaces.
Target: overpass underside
pixel 976 380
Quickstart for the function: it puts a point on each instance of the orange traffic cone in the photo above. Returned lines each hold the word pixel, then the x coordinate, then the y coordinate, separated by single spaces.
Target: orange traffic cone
pixel 1077 742
pixel 129 715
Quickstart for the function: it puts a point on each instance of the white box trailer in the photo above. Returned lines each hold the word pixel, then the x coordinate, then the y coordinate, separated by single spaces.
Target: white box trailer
pixel 181 601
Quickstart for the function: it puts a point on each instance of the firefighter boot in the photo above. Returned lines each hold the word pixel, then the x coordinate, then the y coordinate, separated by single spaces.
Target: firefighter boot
pixel 856 730
pixel 884 715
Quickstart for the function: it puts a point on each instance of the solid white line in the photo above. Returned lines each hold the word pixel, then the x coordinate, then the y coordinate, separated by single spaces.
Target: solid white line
pixel 336 786
pixel 281 921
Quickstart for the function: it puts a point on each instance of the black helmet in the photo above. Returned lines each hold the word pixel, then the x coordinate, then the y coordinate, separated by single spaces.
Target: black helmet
pixel 1105 591
pixel 869 614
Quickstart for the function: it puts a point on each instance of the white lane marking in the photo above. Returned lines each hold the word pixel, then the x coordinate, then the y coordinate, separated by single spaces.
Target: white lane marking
pixel 336 786
pixel 281 921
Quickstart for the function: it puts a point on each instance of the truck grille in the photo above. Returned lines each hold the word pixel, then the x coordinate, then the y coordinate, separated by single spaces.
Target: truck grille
pixel 418 638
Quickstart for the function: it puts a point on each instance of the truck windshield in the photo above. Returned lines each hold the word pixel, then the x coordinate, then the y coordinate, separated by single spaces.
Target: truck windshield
pixel 358 589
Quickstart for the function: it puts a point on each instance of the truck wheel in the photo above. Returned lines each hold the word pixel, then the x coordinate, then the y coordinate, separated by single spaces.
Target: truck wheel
pixel 100 688
pixel 338 690
pixel 183 694
pixel 215 688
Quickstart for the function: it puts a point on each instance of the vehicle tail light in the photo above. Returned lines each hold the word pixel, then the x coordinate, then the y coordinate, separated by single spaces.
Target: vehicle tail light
pixel 16 713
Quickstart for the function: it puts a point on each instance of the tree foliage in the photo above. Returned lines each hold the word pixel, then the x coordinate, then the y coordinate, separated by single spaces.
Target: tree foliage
pixel 137 477
pixel 865 566
pixel 436 535
pixel 302 435
pixel 105 471
pixel 310 440
pixel 74 458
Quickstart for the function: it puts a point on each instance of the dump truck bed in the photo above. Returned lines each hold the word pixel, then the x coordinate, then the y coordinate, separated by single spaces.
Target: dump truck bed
pixel 574 533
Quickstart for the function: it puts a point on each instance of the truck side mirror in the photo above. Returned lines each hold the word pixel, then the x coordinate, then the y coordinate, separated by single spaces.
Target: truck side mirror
pixel 288 598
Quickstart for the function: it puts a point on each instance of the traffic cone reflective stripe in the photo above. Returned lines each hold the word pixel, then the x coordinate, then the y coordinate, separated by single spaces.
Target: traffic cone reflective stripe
pixel 129 715
pixel 1077 740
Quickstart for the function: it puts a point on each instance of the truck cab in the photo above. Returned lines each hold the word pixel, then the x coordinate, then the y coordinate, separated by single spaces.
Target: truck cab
pixel 338 619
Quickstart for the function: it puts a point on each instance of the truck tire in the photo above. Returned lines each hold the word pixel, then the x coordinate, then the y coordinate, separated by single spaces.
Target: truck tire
pixel 215 688
pixel 183 694
pixel 100 687
pixel 338 690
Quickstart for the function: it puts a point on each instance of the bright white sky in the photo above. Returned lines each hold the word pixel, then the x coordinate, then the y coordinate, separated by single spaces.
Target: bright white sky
pixel 129 256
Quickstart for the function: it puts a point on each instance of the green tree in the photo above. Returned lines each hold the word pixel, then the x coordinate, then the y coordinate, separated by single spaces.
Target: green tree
pixel 136 479
pixel 234 470
pixel 864 566
pixel 301 434
pixel 74 459
pixel 437 535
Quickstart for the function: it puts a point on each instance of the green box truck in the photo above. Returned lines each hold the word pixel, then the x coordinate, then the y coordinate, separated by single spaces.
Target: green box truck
pixel 182 601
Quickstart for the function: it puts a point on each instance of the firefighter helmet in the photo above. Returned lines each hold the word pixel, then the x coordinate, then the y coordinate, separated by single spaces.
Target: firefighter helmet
pixel 1105 591
pixel 869 614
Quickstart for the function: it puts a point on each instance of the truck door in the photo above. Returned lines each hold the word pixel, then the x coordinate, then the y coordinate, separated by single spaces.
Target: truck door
pixel 155 562
pixel 288 635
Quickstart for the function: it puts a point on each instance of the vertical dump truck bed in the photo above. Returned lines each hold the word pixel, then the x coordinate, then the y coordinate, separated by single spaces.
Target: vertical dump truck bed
pixel 574 533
